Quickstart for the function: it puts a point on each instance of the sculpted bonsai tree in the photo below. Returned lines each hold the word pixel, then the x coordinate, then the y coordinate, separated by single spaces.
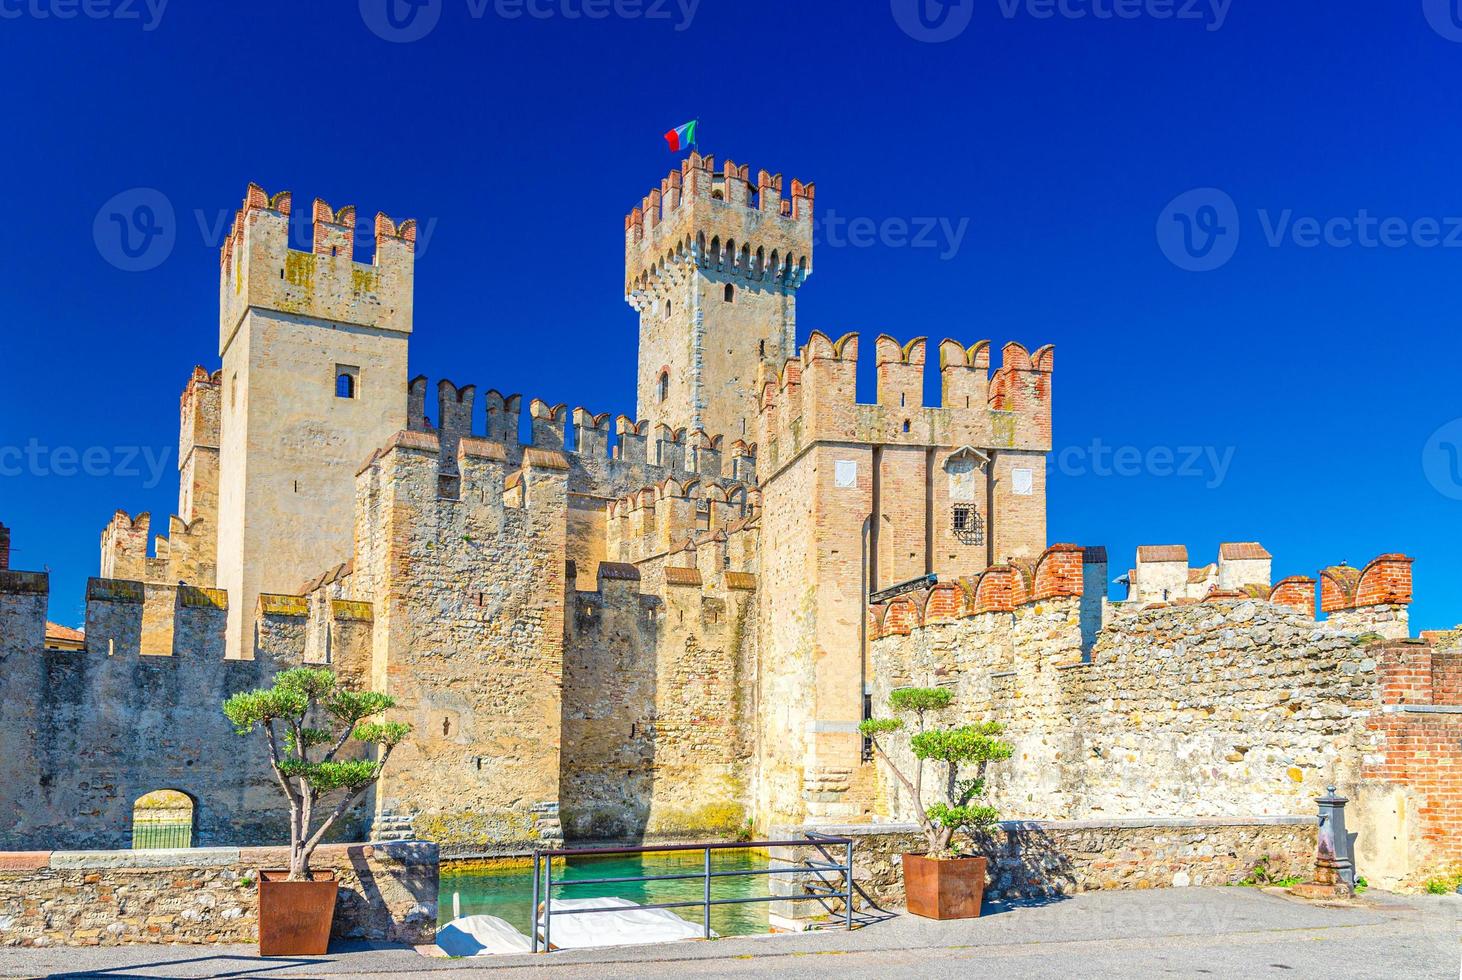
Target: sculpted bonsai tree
pixel 970 745
pixel 304 756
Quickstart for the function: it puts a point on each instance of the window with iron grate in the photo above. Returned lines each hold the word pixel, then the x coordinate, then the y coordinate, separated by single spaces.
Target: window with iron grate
pixel 967 525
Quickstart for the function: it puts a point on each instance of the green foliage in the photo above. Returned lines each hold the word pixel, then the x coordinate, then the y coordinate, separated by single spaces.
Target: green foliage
pixel 1261 875
pixel 873 727
pixel 1444 884
pixel 970 743
pixel 920 699
pixel 1361 885
pixel 974 819
pixel 390 733
pixel 313 717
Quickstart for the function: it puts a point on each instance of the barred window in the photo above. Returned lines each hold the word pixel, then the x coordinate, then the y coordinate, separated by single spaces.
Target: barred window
pixel 967 525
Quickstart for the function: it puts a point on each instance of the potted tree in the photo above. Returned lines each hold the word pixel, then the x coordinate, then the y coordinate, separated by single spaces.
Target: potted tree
pixel 942 883
pixel 307 718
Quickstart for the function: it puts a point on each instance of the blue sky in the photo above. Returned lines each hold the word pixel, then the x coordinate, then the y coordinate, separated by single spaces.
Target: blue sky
pixel 1311 363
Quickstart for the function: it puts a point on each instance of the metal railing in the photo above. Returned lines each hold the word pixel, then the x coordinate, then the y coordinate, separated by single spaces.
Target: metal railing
pixel 148 834
pixel 543 876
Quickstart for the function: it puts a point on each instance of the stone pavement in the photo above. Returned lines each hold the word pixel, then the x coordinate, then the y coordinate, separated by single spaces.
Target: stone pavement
pixel 1223 932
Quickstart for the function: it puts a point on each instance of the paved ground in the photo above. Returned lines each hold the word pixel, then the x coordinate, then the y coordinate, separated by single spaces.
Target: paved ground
pixel 1220 932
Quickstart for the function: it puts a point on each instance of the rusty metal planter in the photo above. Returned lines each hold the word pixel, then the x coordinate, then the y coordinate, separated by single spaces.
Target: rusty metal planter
pixel 295 916
pixel 952 889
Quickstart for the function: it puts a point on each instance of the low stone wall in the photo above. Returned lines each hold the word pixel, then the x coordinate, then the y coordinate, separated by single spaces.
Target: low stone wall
pixel 388 893
pixel 1045 858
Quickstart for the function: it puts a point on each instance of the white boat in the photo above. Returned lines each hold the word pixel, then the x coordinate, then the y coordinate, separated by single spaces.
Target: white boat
pixel 481 935
pixel 633 926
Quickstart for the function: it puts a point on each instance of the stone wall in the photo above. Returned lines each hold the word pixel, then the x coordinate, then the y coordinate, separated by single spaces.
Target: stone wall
pixel 1229 707
pixel 387 893
pixel 1051 858
pixel 655 728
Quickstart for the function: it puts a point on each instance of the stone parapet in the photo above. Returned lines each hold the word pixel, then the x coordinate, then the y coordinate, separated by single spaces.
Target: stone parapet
pixel 387 893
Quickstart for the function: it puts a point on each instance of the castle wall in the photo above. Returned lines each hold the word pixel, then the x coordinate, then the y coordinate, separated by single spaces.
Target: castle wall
pixel 88 732
pixel 468 594
pixel 1232 706
pixel 655 724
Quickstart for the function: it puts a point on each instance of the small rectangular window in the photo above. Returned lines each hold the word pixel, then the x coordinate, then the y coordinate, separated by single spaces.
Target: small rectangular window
pixel 347 381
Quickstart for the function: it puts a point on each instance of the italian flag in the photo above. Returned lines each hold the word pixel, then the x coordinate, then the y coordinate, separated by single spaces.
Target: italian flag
pixel 682 137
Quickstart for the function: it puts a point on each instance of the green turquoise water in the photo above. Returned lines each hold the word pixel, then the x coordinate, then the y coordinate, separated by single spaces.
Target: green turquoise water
pixel 507 891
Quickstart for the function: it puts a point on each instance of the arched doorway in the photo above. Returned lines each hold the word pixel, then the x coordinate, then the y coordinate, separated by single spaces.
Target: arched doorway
pixel 162 818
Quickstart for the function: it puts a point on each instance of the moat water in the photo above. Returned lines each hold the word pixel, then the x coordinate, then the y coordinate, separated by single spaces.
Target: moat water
pixel 505 889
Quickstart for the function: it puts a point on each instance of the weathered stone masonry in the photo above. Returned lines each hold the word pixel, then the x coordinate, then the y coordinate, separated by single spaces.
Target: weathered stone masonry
pixel 661 627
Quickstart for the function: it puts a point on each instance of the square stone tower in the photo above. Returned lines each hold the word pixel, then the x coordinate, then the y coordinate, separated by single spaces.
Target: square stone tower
pixel 712 264
pixel 314 380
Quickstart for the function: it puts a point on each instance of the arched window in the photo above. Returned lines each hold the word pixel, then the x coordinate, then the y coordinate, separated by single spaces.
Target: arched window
pixel 162 818
pixel 663 386
pixel 346 379
pixel 667 309
pixel 730 293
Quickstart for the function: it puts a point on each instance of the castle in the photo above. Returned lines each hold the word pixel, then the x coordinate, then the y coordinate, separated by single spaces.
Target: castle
pixel 678 637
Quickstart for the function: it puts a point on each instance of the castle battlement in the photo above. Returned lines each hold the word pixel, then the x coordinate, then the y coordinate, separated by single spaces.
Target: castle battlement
pixel 641 446
pixel 722 220
pixel 258 269
pixel 813 398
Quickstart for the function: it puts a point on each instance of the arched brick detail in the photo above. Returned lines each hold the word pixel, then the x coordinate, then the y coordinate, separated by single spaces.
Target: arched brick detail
pixel 1296 593
pixel 1337 588
pixel 902 617
pixel 1059 572
pixel 1386 581
pixel 995 590
pixel 944 603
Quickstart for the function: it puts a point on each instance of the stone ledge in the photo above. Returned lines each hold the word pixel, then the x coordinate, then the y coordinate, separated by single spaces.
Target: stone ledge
pixel 1117 823
pixel 24 860
pixel 1428 709
pixel 185 857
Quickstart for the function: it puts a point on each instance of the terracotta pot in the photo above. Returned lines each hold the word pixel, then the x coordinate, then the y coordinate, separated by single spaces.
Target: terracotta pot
pixel 295 916
pixel 952 889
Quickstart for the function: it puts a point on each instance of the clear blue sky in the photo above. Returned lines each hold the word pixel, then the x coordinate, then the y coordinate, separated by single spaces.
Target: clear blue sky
pixel 1314 373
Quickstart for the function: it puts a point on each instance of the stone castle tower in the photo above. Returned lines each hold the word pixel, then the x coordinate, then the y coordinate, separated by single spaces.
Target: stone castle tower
pixel 313 346
pixel 712 264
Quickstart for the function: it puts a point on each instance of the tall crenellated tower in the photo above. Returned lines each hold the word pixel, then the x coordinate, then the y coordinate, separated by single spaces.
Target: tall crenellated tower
pixel 712 264
pixel 314 374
